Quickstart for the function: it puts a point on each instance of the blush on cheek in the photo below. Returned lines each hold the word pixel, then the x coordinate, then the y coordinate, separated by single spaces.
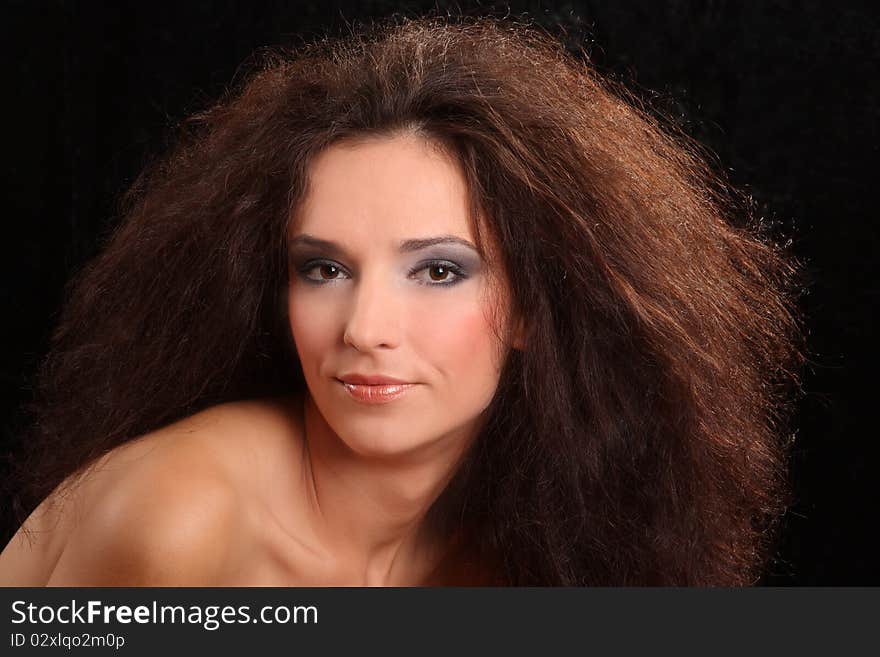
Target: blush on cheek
pixel 465 342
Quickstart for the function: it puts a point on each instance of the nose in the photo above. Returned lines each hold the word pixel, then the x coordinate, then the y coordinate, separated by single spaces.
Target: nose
pixel 373 321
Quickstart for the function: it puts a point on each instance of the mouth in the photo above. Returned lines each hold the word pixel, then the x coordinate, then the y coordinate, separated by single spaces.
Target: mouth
pixel 380 393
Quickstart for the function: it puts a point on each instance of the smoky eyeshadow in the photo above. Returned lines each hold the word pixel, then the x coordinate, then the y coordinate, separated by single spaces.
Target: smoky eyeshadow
pixel 465 258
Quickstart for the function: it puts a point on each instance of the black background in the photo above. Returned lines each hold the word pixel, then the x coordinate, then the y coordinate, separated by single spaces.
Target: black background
pixel 784 93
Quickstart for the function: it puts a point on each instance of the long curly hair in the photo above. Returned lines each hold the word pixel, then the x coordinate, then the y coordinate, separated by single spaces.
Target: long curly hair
pixel 640 438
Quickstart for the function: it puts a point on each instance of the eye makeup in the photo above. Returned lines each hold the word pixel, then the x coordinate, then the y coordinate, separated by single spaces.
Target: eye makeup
pixel 449 260
pixel 443 268
pixel 439 272
pixel 311 265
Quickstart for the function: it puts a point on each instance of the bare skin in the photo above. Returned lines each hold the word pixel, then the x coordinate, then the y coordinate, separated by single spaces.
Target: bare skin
pixel 224 498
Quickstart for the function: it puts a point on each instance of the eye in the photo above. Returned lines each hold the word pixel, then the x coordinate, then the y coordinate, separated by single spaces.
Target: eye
pixel 439 273
pixel 326 272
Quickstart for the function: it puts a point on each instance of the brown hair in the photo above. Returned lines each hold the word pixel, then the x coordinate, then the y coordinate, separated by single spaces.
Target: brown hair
pixel 640 436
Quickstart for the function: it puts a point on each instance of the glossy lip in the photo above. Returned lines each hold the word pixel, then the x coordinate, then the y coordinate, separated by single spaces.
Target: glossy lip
pixel 376 394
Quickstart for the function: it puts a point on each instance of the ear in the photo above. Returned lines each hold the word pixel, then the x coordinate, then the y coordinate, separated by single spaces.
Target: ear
pixel 519 333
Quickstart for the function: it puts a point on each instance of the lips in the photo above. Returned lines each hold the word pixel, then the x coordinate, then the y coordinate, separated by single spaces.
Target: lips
pixel 374 389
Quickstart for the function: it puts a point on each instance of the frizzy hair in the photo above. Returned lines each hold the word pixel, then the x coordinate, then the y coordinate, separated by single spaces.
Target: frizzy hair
pixel 640 436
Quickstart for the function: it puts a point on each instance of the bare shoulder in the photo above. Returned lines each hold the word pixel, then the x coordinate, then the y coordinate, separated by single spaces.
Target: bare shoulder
pixel 173 507
pixel 161 525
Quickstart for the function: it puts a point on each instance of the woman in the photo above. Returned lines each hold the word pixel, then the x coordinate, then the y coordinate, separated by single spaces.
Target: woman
pixel 434 304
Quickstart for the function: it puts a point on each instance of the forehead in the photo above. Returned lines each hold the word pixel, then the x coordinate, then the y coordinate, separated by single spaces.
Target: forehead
pixel 402 186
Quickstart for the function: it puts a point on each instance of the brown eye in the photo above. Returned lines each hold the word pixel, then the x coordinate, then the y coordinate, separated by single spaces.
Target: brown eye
pixel 322 272
pixel 328 272
pixel 438 272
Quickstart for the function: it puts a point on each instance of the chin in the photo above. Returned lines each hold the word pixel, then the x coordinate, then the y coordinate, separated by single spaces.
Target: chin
pixel 388 439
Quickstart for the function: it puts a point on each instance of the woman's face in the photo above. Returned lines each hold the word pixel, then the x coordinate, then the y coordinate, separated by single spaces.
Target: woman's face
pixel 385 281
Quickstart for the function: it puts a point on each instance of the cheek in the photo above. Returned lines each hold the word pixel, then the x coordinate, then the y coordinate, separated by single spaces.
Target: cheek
pixel 461 344
pixel 310 325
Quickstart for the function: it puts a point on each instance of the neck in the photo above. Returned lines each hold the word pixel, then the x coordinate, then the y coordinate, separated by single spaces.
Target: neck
pixel 371 509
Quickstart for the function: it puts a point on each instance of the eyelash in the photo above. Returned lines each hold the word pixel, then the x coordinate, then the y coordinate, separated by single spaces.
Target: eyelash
pixel 457 271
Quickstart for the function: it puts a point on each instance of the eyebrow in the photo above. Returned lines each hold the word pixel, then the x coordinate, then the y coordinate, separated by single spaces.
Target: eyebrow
pixel 406 246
